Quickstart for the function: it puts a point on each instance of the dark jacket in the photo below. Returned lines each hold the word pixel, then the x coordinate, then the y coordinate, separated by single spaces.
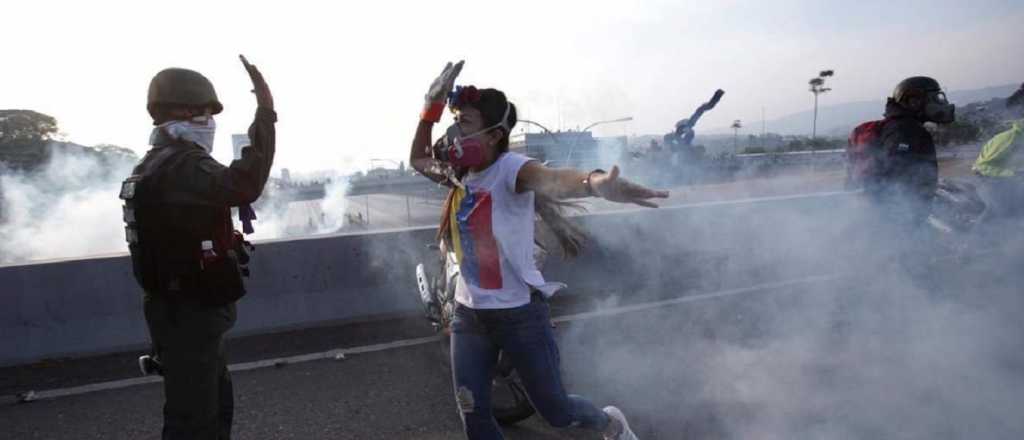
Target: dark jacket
pixel 910 167
pixel 198 178
pixel 184 199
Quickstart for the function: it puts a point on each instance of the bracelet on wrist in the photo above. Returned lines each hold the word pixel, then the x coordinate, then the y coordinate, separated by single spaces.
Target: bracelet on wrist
pixel 589 185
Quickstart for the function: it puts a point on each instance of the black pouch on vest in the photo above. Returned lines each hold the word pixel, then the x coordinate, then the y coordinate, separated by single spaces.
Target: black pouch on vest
pixel 143 266
pixel 220 281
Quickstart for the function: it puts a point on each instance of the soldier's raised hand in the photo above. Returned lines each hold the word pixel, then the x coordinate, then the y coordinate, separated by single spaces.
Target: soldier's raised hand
pixel 259 85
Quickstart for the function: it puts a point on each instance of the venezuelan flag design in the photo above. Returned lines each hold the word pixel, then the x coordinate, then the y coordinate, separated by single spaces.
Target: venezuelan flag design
pixel 472 234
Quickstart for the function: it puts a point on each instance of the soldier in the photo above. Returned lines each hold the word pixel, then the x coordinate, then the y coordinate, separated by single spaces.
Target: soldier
pixel 185 253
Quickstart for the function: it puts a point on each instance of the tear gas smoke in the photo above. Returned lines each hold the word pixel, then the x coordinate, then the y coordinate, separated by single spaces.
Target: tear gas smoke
pixel 69 208
pixel 910 344
pixel 282 218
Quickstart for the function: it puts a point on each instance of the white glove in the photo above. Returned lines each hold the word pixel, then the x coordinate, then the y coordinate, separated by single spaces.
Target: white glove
pixel 433 106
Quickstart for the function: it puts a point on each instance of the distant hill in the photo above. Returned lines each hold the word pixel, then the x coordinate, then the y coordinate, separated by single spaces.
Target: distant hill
pixel 839 119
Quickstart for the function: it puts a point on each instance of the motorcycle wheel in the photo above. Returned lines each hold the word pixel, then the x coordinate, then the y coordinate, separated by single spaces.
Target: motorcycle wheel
pixel 509 402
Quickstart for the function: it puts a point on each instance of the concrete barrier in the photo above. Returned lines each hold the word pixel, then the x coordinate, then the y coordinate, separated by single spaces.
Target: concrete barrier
pixel 93 305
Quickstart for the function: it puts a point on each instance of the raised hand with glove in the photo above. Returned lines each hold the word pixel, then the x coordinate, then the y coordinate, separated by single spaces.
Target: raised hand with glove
pixel 420 156
pixel 434 104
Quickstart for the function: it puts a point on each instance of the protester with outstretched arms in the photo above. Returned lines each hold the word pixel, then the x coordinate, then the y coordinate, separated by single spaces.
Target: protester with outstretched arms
pixel 488 221
pixel 186 254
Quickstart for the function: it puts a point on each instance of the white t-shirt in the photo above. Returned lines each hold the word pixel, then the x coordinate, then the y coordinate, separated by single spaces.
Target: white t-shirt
pixel 492 231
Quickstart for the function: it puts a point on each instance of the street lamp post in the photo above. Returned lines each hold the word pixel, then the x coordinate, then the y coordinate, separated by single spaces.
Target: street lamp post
pixel 542 127
pixel 736 126
pixel 549 133
pixel 576 140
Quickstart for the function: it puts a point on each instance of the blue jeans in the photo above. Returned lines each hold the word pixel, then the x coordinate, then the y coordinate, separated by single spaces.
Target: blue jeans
pixel 524 335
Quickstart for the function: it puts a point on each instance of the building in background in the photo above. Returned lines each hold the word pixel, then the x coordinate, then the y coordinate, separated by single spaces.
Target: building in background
pixel 239 141
pixel 577 149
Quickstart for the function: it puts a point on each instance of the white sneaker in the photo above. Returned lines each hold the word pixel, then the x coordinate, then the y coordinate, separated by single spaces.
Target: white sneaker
pixel 618 427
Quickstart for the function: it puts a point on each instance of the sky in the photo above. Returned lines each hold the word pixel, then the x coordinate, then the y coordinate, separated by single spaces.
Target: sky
pixel 348 78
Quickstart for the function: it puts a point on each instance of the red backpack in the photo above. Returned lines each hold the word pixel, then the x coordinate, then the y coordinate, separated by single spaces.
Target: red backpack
pixel 864 153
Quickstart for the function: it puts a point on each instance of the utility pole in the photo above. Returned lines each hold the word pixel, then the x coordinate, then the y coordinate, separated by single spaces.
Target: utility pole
pixel 818 87
pixel 408 211
pixel 763 129
pixel 736 126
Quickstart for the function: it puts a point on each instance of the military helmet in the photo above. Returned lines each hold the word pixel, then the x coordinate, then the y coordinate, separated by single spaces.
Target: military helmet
pixel 923 96
pixel 915 86
pixel 184 87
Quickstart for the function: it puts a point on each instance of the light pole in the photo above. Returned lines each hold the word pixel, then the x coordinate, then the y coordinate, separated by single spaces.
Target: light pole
pixel 576 140
pixel 736 126
pixel 552 135
pixel 818 87
pixel 542 127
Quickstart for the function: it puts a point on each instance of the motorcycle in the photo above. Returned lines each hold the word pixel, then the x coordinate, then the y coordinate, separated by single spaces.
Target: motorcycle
pixel 436 286
pixel 958 206
pixel 968 221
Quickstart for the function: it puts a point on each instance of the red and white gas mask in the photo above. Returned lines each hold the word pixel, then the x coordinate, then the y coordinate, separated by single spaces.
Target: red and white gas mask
pixel 466 150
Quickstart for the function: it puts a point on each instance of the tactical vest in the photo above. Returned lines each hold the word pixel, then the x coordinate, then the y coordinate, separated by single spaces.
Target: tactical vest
pixel 165 228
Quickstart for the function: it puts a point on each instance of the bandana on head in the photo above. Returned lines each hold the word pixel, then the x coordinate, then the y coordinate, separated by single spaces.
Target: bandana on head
pixel 463 95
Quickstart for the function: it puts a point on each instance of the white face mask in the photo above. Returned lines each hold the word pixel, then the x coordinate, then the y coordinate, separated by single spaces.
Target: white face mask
pixel 200 129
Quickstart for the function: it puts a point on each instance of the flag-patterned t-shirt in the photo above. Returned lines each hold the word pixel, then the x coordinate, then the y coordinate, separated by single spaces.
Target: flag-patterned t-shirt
pixel 493 238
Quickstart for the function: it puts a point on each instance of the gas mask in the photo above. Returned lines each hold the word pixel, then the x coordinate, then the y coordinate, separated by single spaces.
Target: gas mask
pixel 200 130
pixel 466 150
pixel 938 109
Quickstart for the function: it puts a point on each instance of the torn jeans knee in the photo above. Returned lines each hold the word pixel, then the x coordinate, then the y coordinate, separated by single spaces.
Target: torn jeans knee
pixel 464 398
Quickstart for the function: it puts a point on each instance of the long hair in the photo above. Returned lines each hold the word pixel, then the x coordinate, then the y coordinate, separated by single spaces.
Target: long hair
pixel 553 212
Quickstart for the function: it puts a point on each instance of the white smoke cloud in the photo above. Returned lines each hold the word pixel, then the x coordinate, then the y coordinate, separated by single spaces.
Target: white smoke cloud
pixel 281 218
pixel 70 208
pixel 334 206
pixel 914 344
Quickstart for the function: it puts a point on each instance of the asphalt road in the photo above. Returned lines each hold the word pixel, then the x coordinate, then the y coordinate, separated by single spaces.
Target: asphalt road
pixel 872 355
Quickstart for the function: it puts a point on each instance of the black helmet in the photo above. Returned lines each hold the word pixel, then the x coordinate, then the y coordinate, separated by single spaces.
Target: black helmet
pixel 182 87
pixel 924 96
pixel 913 87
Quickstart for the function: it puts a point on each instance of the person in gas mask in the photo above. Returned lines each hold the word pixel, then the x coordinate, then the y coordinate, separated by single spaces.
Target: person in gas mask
pixel 488 221
pixel 894 158
pixel 185 253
